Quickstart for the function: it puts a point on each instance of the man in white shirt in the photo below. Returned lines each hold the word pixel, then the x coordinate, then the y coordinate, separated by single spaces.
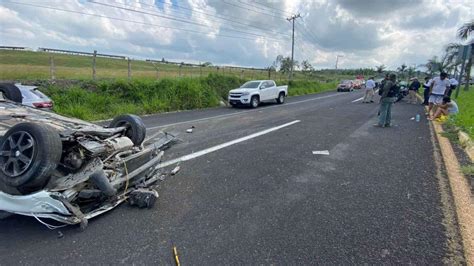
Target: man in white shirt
pixel 439 86
pixel 369 90
pixel 454 84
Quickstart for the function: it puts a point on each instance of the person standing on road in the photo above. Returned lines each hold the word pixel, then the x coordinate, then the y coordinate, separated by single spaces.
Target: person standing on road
pixel 413 90
pixel 369 90
pixel 454 83
pixel 439 86
pixel 426 92
pixel 389 96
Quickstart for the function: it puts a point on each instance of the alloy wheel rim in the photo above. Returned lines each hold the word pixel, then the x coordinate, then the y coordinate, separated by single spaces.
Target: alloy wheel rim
pixel 16 153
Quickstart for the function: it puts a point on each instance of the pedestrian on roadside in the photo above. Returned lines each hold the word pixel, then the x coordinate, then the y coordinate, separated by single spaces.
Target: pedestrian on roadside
pixel 413 90
pixel 439 87
pixel 389 96
pixel 448 107
pixel 454 83
pixel 369 90
pixel 426 92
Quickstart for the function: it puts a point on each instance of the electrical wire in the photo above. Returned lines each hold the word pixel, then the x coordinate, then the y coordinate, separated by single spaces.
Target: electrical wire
pixel 131 21
pixel 214 17
pixel 178 19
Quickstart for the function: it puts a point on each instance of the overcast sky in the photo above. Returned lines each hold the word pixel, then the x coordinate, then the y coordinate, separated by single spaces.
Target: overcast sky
pixel 241 32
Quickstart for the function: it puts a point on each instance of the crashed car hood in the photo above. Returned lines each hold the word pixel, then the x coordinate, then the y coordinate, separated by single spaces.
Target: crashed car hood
pixel 13 113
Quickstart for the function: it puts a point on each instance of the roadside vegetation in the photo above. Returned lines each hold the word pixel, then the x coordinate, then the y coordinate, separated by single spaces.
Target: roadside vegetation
pixel 105 99
pixel 465 118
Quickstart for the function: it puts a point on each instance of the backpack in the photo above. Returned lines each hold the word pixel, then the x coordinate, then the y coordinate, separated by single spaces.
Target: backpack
pixel 394 91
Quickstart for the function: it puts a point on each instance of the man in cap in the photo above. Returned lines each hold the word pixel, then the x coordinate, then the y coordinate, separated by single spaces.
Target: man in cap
pixel 388 97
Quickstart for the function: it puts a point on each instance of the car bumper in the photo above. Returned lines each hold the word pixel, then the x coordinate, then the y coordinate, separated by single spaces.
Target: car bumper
pixel 239 100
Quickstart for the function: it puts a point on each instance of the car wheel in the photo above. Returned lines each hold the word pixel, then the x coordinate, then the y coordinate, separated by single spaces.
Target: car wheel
pixel 29 153
pixel 254 102
pixel 11 92
pixel 232 104
pixel 281 98
pixel 135 129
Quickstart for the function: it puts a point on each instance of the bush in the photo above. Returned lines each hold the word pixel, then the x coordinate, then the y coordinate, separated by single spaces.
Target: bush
pixel 102 100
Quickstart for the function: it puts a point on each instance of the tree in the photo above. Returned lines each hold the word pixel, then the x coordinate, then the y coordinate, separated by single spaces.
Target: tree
pixel 206 64
pixel 411 71
pixel 380 68
pixel 401 69
pixel 464 32
pixel 451 51
pixel 306 67
pixel 284 64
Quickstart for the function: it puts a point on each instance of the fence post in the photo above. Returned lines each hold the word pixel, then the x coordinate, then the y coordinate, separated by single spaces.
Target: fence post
pixel 129 63
pixel 93 64
pixel 241 74
pixel 200 70
pixel 180 66
pixel 52 68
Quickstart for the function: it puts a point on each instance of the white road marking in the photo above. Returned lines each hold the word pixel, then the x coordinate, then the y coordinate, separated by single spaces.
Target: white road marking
pixel 325 152
pixel 243 112
pixel 358 99
pixel 223 145
pixel 361 98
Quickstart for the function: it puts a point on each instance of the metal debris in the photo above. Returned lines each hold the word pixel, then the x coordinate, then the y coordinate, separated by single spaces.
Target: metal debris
pixel 324 152
pixel 175 170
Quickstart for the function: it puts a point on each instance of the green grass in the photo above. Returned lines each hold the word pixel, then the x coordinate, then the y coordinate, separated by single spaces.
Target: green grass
pixel 465 118
pixel 106 99
pixel 149 91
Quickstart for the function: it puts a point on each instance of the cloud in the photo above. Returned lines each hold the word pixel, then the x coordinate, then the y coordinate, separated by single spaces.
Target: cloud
pixel 365 32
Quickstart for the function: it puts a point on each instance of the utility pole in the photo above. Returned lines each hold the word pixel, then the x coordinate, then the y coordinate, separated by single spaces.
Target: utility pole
pixel 337 59
pixel 292 19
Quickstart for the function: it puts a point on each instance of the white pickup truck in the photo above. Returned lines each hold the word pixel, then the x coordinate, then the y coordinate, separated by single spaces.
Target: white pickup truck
pixel 254 92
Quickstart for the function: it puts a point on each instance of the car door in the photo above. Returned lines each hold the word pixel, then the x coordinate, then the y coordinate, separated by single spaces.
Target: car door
pixel 264 91
pixel 272 90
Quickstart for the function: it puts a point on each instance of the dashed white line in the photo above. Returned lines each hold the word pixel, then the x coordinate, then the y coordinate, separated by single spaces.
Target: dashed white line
pixel 223 145
pixel 358 99
pixel 243 112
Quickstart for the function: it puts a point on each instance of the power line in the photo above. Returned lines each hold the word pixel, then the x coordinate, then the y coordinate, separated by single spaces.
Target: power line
pixel 131 21
pixel 286 13
pixel 178 19
pixel 213 16
pixel 256 11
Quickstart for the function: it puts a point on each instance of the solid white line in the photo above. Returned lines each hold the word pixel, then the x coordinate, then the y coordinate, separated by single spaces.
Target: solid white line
pixel 223 145
pixel 358 99
pixel 243 112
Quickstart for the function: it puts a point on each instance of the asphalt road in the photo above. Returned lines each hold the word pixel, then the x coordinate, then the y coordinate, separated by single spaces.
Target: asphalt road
pixel 267 199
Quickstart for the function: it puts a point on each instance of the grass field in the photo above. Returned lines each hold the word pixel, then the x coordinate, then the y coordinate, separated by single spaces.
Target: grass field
pixel 465 118
pixel 169 88
pixel 29 65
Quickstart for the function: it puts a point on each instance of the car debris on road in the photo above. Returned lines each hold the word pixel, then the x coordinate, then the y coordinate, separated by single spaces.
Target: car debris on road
pixel 70 170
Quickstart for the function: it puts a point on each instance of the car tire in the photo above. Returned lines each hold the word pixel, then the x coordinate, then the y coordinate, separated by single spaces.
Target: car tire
pixel 40 148
pixel 11 92
pixel 135 129
pixel 281 98
pixel 254 102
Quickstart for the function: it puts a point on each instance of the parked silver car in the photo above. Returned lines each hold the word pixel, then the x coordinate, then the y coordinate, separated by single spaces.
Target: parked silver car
pixel 34 97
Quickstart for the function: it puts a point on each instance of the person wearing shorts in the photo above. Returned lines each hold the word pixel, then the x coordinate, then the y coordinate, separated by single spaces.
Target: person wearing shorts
pixel 438 88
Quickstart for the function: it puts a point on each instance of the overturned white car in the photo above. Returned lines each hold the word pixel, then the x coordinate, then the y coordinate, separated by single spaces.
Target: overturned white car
pixel 70 170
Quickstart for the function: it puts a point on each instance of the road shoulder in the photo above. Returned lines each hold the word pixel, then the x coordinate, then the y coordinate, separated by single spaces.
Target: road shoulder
pixel 460 192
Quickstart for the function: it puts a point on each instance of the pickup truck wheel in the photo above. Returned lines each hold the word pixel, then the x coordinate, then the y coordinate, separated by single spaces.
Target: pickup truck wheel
pixel 254 102
pixel 281 98
pixel 29 153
